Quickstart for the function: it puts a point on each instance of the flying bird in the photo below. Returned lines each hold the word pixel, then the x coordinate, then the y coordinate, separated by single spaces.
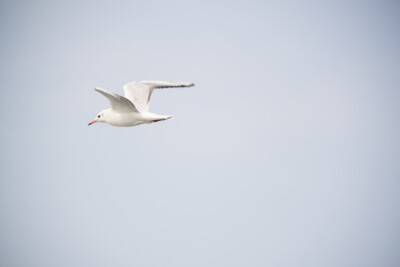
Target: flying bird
pixel 133 109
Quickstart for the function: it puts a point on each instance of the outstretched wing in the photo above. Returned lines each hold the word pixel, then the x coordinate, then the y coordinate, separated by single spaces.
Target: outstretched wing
pixel 118 103
pixel 139 93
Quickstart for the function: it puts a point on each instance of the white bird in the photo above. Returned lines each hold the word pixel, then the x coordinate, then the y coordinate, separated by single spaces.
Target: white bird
pixel 133 109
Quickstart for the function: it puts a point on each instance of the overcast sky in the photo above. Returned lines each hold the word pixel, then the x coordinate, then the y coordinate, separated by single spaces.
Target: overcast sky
pixel 285 153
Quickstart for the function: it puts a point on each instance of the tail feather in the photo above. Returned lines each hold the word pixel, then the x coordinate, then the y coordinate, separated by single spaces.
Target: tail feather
pixel 162 119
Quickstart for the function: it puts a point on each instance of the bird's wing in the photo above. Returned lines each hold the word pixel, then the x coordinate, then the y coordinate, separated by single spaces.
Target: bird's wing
pixel 118 103
pixel 139 93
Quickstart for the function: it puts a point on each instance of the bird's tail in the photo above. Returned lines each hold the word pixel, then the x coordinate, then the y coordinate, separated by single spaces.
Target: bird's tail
pixel 161 119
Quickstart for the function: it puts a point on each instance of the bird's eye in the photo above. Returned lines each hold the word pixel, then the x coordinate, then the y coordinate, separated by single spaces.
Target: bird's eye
pixel 98 116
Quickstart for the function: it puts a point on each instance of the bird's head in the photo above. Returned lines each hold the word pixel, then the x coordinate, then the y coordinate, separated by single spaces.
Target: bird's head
pixel 101 117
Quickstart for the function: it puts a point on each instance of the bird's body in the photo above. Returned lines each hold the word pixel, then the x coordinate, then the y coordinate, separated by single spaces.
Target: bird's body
pixel 132 118
pixel 132 109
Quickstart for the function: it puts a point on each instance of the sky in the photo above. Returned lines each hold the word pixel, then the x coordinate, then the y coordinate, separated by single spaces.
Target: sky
pixel 285 153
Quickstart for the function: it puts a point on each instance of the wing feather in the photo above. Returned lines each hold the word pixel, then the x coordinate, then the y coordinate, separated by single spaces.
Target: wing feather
pixel 118 103
pixel 140 93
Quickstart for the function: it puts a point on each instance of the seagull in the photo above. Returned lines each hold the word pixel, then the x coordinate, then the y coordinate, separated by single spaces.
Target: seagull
pixel 133 109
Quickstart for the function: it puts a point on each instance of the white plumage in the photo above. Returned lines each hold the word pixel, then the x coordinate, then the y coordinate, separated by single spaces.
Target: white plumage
pixel 133 109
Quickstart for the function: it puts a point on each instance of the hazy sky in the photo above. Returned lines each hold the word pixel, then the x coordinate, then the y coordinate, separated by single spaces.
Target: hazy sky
pixel 285 153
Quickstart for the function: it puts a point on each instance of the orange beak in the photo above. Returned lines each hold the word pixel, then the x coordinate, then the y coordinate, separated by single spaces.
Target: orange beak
pixel 90 123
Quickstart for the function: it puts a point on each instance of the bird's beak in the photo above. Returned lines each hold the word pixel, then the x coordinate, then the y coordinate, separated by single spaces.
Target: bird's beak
pixel 90 123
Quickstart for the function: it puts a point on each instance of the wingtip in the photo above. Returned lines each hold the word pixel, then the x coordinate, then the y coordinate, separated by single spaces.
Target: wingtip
pixel 188 85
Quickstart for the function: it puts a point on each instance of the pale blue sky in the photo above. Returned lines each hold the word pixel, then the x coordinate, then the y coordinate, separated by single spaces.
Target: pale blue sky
pixel 285 153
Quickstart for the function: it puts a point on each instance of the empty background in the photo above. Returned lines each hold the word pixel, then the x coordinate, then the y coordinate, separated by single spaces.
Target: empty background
pixel 285 153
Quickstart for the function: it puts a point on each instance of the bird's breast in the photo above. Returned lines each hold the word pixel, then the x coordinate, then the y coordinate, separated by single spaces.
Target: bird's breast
pixel 125 119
